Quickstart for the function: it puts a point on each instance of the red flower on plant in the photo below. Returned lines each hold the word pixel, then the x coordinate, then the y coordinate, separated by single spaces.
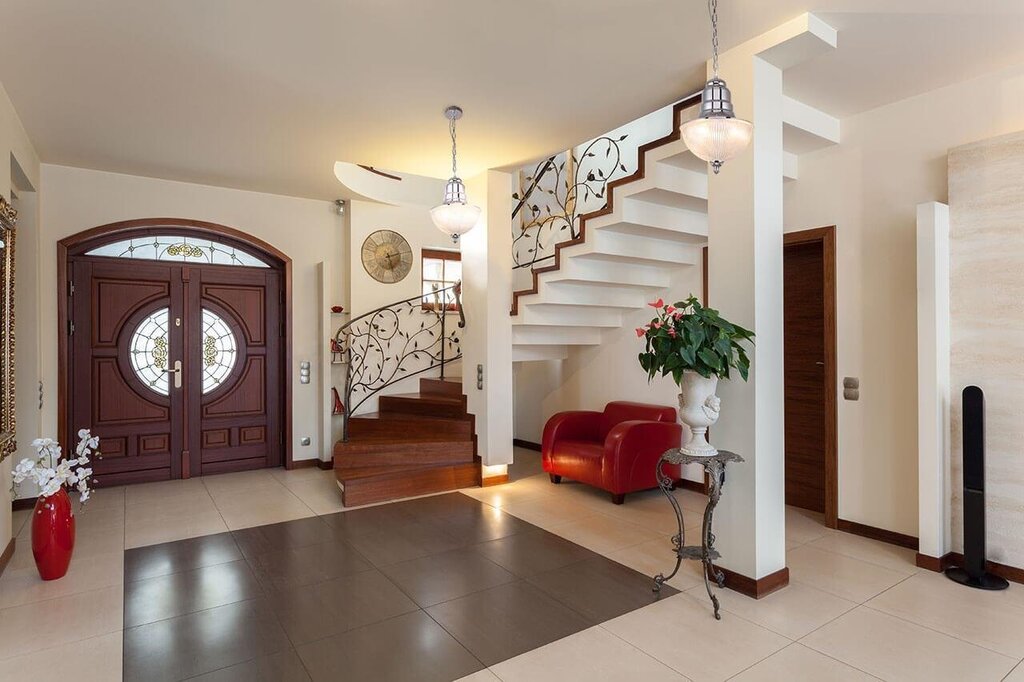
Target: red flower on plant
pixel 656 325
pixel 669 309
pixel 672 332
pixel 678 315
pixel 640 331
pixel 660 303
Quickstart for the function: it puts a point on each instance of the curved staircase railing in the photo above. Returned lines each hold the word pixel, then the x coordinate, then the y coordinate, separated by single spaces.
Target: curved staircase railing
pixel 397 341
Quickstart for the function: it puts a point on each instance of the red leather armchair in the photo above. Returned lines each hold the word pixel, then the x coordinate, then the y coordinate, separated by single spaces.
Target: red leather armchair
pixel 615 450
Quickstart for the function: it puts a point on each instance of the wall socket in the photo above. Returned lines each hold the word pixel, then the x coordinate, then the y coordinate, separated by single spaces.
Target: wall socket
pixel 851 388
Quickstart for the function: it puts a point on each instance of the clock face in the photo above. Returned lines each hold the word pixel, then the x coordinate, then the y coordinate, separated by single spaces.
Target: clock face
pixel 387 256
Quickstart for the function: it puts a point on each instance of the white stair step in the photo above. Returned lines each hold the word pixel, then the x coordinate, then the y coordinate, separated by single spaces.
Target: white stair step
pixel 548 335
pixel 610 274
pixel 580 294
pixel 671 186
pixel 540 313
pixel 635 217
pixel 603 245
pixel 536 353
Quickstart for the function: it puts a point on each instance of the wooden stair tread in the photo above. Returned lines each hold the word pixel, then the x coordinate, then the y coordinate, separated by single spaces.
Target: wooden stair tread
pixel 431 397
pixel 405 416
pixel 357 473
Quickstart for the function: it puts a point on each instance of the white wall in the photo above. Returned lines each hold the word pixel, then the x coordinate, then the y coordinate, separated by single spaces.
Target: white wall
pixel 890 160
pixel 308 231
pixel 15 147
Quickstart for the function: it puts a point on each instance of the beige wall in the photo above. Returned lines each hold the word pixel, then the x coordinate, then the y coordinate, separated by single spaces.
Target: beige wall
pixel 16 148
pixel 890 160
pixel 308 231
pixel 986 211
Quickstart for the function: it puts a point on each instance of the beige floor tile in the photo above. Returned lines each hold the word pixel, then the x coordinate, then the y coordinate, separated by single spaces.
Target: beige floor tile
pixel 97 659
pixel 107 497
pixel 875 552
pixel 504 495
pixel 19 519
pixel 171 508
pixel 22 555
pixel 681 633
pixel 802 525
pixel 148 493
pixel 840 575
pixel 32 627
pixel 484 675
pixel 91 542
pixel 270 505
pixel 288 476
pixel 658 556
pixel 24 586
pixel 793 611
pixel 654 513
pixel 797 663
pixel 895 649
pixel 604 534
pixel 109 518
pixel 1017 675
pixel 994 620
pixel 178 527
pixel 240 482
pixel 547 511
pixel 593 654
pixel 323 495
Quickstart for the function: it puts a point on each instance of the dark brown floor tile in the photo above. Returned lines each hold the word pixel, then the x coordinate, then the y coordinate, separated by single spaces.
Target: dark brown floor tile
pixel 284 666
pixel 507 620
pixel 177 594
pixel 383 518
pixel 316 611
pixel 183 555
pixel 403 542
pixel 278 536
pixel 282 569
pixel 409 648
pixel 201 642
pixel 433 579
pixel 599 588
pixel 481 523
pixel 527 554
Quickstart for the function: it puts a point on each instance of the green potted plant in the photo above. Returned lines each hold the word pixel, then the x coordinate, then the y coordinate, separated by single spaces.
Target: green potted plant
pixel 697 346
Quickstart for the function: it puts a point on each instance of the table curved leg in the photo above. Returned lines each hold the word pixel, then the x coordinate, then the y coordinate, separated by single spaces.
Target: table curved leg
pixel 679 539
pixel 716 474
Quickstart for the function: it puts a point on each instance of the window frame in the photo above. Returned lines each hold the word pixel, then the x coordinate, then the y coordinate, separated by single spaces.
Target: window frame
pixel 444 256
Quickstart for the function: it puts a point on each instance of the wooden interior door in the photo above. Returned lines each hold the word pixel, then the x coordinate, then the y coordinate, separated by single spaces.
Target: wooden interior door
pixel 123 317
pixel 235 380
pixel 805 383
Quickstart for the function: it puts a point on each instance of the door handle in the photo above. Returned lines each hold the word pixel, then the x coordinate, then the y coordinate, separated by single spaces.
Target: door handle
pixel 176 372
pixel 820 364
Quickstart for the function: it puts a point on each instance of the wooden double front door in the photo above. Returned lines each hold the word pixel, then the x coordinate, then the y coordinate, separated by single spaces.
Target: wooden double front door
pixel 177 368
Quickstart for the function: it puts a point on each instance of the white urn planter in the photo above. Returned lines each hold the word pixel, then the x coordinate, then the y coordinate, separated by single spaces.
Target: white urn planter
pixel 698 409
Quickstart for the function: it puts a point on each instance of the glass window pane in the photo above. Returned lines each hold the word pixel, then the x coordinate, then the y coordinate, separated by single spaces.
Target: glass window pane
pixel 433 268
pixel 149 349
pixel 219 350
pixel 453 271
pixel 180 249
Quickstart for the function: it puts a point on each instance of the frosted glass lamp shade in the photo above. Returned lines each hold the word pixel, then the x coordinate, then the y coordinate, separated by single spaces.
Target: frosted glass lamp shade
pixel 455 219
pixel 716 139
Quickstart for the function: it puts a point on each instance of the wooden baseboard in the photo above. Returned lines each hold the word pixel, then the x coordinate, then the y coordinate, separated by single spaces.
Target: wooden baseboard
pixel 324 466
pixel 889 536
pixel 5 558
pixel 528 444
pixel 23 503
pixel 756 589
pixel 697 486
pixel 500 479
pixel 939 564
pixel 308 463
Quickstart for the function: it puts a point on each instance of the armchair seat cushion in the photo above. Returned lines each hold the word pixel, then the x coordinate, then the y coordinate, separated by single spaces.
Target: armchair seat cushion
pixel 616 449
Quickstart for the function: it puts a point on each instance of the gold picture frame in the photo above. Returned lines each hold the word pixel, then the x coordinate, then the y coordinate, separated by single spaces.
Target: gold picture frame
pixel 8 219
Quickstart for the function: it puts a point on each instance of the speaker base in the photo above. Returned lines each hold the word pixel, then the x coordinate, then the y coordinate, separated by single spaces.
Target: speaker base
pixel 986 581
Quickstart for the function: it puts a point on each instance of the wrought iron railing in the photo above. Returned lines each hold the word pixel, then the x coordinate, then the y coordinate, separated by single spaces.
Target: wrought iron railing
pixel 558 191
pixel 398 341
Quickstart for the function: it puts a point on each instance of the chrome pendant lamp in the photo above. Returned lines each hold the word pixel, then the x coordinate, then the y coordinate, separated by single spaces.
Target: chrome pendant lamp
pixel 455 216
pixel 716 135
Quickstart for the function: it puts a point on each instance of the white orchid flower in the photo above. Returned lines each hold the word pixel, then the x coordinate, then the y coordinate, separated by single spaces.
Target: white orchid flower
pixel 84 496
pixel 50 488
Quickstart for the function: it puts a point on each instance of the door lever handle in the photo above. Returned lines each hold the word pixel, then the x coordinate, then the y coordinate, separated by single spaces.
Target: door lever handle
pixel 176 372
pixel 820 364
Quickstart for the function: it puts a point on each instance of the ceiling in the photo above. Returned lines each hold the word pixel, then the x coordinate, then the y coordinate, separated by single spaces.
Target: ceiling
pixel 267 95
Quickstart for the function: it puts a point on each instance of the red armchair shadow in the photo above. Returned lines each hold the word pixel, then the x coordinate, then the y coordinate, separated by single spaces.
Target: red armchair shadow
pixel 615 450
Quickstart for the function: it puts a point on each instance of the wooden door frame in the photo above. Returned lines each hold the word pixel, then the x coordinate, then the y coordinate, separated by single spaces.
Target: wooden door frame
pixel 111 232
pixel 826 236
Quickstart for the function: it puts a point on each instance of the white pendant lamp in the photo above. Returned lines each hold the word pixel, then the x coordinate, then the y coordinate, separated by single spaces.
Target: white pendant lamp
pixel 716 135
pixel 455 216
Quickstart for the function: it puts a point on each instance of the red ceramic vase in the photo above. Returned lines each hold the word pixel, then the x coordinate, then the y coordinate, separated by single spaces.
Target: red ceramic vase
pixel 53 535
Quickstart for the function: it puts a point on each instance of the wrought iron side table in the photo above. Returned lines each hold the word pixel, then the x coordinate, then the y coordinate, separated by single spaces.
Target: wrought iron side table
pixel 714 466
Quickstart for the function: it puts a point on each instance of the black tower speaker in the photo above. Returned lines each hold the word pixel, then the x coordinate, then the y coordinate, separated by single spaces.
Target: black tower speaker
pixel 973 573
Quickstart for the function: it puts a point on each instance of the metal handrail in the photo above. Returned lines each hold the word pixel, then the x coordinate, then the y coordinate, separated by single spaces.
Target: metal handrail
pixel 377 365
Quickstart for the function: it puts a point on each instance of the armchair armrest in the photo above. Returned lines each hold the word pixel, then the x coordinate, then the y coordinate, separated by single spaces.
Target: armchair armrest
pixel 578 425
pixel 631 451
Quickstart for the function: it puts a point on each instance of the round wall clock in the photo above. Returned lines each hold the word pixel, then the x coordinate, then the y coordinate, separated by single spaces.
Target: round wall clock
pixel 387 256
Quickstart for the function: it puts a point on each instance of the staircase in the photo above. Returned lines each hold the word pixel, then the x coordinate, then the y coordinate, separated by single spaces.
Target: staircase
pixel 416 444
pixel 654 221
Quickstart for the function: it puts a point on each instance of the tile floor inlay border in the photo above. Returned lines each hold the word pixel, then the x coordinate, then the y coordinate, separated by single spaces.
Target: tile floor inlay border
pixel 454 581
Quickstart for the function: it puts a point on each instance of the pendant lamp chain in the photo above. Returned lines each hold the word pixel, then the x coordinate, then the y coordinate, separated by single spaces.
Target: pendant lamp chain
pixel 451 129
pixel 713 11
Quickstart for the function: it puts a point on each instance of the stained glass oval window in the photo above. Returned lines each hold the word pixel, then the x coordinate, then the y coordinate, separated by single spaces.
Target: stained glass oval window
pixel 219 350
pixel 178 249
pixel 149 349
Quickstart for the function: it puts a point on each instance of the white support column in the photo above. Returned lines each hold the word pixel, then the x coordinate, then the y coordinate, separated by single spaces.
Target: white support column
pixel 933 379
pixel 745 205
pixel 487 340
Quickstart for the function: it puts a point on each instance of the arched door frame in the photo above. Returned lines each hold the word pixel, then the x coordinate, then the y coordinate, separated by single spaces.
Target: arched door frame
pixel 86 240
